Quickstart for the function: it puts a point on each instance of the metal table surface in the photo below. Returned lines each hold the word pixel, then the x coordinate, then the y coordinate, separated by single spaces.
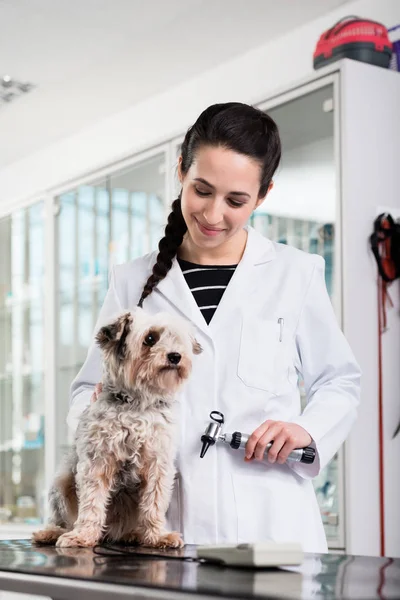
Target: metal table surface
pixel 72 573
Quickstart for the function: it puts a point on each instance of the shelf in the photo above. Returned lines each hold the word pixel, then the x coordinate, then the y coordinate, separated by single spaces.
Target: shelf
pixel 23 303
pixel 70 367
pixel 18 530
pixel 11 448
pixel 13 375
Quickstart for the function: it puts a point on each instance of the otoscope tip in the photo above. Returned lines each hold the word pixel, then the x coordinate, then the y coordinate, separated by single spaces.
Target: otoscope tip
pixel 205 447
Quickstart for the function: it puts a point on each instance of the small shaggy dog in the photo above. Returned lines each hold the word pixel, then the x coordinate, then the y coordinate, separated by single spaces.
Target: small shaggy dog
pixel 116 483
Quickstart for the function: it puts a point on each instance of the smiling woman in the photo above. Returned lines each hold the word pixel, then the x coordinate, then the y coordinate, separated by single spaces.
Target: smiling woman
pixel 226 172
pixel 212 203
pixel 262 316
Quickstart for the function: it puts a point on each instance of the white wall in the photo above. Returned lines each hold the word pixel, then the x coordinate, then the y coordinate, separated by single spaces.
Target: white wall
pixel 249 78
pixel 370 150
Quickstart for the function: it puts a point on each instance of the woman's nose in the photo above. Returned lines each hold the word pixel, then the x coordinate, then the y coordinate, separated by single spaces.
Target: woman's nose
pixel 213 213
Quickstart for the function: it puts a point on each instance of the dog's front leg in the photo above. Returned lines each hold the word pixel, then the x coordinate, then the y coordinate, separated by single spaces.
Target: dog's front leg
pixel 157 480
pixel 94 484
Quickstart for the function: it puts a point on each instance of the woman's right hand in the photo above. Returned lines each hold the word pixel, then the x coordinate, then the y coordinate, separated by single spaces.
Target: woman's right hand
pixel 97 391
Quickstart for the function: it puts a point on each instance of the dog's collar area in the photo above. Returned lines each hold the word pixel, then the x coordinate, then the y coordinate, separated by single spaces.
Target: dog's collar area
pixel 122 397
pixel 160 403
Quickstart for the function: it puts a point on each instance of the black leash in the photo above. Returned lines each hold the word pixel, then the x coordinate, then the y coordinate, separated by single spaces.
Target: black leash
pixel 120 552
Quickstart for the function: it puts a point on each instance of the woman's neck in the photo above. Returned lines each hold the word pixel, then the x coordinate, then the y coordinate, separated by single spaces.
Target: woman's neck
pixel 228 253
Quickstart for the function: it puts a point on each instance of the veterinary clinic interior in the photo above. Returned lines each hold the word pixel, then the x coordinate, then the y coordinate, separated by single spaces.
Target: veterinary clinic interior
pixel 96 101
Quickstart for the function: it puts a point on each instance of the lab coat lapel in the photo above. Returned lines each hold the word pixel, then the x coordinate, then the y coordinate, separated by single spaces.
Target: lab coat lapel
pixel 259 250
pixel 175 289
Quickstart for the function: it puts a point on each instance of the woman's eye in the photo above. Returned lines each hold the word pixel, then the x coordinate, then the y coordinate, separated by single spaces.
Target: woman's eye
pixel 201 192
pixel 236 204
pixel 233 203
pixel 149 340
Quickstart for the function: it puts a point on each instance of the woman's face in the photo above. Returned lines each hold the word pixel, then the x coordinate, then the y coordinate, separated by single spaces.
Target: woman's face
pixel 219 193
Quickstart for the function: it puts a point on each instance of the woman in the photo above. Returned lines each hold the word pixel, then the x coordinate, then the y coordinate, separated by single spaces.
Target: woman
pixel 263 316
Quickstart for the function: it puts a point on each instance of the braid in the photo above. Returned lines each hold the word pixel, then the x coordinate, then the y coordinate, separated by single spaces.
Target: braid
pixel 168 247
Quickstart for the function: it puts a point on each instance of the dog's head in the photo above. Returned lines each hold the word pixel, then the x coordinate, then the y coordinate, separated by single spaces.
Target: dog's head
pixel 148 353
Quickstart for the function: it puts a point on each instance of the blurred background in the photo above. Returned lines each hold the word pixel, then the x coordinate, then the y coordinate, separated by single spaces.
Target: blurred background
pixel 95 97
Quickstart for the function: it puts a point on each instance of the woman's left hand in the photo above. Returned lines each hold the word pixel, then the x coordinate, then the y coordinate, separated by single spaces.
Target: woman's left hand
pixel 286 437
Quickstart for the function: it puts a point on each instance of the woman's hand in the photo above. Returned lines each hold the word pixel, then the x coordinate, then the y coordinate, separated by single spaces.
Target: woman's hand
pixel 286 437
pixel 97 391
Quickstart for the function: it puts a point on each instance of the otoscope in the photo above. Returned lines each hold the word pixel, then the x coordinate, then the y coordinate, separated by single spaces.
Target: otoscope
pixel 238 440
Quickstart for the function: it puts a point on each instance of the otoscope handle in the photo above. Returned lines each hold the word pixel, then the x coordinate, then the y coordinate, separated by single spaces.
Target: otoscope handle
pixel 238 440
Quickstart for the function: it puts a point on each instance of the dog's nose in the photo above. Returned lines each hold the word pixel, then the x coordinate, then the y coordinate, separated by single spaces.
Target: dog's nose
pixel 174 358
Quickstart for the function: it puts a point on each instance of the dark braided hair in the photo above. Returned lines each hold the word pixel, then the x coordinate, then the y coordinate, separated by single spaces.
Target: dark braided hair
pixel 233 126
pixel 168 246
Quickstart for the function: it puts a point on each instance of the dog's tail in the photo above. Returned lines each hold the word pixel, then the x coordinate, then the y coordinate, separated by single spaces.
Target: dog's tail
pixel 63 502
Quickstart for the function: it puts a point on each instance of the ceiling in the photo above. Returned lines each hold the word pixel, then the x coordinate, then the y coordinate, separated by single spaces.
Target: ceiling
pixel 92 58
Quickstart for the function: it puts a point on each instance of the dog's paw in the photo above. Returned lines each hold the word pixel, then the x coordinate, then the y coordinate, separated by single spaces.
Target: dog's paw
pixel 81 539
pixel 170 540
pixel 47 536
pixel 130 538
pixel 165 540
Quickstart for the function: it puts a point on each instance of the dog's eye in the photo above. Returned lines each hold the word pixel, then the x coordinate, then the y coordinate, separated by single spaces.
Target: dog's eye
pixel 150 340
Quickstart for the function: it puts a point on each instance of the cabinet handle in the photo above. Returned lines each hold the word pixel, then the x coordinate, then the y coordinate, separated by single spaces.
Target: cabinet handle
pixel 281 324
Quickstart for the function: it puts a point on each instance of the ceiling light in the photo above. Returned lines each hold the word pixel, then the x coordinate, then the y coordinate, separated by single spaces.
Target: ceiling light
pixel 11 89
pixel 6 81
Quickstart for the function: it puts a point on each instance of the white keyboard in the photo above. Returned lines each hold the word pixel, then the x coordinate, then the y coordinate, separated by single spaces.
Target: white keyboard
pixel 260 554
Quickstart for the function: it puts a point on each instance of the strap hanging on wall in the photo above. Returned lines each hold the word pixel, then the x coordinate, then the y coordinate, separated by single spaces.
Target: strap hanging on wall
pixel 385 245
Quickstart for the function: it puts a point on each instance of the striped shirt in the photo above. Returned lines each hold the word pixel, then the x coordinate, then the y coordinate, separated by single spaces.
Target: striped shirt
pixel 207 284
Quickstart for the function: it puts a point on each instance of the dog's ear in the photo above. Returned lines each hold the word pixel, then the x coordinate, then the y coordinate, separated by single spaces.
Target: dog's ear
pixel 113 336
pixel 197 349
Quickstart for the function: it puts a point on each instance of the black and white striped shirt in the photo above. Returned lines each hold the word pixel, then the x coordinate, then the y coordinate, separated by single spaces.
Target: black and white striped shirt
pixel 207 284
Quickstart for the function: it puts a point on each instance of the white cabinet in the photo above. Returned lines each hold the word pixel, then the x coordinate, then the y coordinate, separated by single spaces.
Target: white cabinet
pixel 340 132
pixel 369 166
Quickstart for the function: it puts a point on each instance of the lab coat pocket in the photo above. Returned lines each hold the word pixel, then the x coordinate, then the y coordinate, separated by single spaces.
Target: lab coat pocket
pixel 269 507
pixel 264 356
pixel 173 516
pixel 253 509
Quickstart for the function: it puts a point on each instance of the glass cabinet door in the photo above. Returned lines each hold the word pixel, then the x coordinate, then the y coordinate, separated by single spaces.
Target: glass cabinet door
pixel 98 224
pixel 22 367
pixel 139 208
pixel 301 210
pixel 82 236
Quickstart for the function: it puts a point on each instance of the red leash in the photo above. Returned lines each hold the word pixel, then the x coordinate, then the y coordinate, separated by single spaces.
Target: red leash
pixel 385 247
pixel 381 328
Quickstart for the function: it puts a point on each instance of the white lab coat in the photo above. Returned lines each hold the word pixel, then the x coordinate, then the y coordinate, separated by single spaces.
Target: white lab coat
pixel 250 375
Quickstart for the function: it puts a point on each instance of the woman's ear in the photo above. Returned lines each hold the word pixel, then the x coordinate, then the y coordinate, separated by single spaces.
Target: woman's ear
pixel 261 200
pixel 179 169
